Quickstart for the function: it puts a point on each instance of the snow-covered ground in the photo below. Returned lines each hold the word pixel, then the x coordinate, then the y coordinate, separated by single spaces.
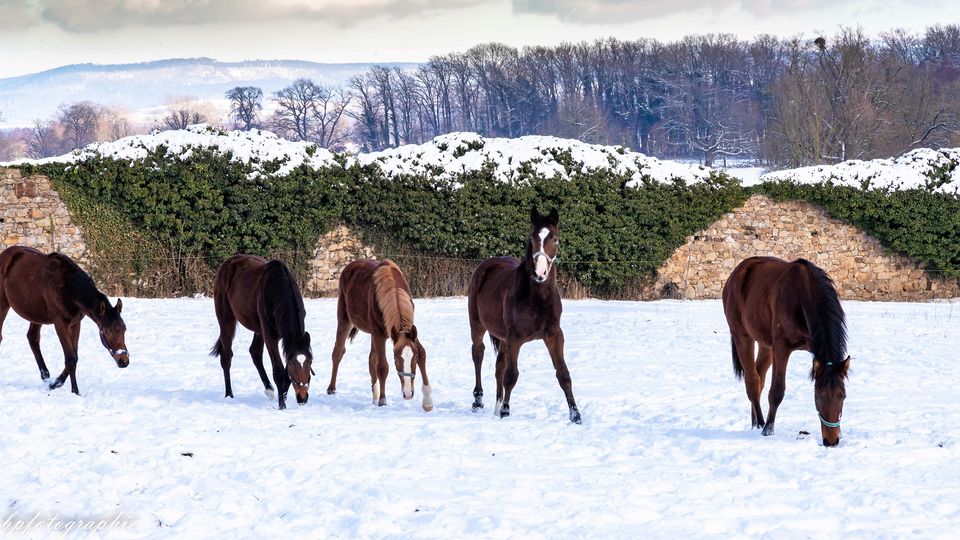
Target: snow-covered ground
pixel 665 450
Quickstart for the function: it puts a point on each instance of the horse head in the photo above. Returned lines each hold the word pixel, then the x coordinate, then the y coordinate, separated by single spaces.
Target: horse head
pixel 299 366
pixel 828 395
pixel 113 331
pixel 542 244
pixel 407 354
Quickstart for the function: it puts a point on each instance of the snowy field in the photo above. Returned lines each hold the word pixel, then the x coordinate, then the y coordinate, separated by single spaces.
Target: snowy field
pixel 665 450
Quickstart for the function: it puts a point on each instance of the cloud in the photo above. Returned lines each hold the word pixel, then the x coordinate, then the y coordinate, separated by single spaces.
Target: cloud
pixel 17 14
pixel 625 11
pixel 83 16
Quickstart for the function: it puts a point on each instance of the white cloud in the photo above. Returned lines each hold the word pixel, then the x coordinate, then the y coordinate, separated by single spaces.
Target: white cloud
pixel 105 15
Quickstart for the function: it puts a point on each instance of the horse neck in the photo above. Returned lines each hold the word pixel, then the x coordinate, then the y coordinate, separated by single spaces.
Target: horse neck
pixel 527 288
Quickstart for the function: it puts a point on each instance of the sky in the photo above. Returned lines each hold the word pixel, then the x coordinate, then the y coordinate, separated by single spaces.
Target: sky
pixel 41 34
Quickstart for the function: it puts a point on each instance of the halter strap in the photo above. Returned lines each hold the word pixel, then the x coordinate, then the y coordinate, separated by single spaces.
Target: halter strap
pixel 549 259
pixel 829 424
pixel 115 352
pixel 407 374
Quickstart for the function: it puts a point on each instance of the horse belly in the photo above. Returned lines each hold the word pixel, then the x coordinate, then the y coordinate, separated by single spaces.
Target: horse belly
pixel 27 302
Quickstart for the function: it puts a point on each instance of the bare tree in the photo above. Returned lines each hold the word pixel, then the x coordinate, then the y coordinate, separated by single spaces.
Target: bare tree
pixel 245 104
pixel 328 115
pixel 43 140
pixel 296 109
pixel 80 122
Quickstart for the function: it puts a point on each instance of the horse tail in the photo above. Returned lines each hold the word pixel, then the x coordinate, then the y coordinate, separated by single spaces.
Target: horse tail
pixel 825 319
pixel 217 349
pixel 496 344
pixel 353 333
pixel 737 367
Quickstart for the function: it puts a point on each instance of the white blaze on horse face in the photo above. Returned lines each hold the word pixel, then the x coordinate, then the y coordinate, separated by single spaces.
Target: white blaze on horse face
pixel 541 264
pixel 407 356
pixel 301 358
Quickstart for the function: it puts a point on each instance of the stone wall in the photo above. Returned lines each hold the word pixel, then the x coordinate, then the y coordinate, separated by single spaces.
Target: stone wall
pixel 334 250
pixel 33 215
pixel 860 266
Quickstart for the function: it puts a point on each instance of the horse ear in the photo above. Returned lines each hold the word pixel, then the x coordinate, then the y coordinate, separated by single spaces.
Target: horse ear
pixel 102 310
pixel 119 306
pixel 306 338
pixel 817 369
pixel 413 333
pixel 534 215
pixel 554 218
pixel 846 366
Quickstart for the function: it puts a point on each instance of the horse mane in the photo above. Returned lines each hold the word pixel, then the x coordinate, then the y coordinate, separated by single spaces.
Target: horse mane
pixel 79 286
pixel 394 301
pixel 827 327
pixel 282 298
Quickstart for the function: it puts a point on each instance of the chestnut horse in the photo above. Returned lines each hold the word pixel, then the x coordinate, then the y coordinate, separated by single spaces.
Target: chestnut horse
pixel 784 307
pixel 516 302
pixel 265 298
pixel 374 297
pixel 52 289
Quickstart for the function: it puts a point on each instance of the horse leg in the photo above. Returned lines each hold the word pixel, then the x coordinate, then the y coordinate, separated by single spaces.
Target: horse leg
pixel 256 353
pixel 4 308
pixel 498 374
pixel 764 359
pixel 228 328
pixel 425 385
pixel 751 377
pixel 377 351
pixel 383 369
pixel 778 385
pixel 509 375
pixel 65 331
pixel 339 348
pixel 554 342
pixel 33 338
pixel 280 377
pixel 476 335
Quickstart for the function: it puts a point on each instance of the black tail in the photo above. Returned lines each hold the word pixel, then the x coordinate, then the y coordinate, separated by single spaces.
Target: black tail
pixel 353 333
pixel 496 344
pixel 737 368
pixel 217 349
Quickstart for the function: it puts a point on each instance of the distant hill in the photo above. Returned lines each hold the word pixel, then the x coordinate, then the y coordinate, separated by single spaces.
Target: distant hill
pixel 146 85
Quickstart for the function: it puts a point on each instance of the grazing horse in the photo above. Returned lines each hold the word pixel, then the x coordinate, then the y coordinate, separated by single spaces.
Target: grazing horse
pixel 374 297
pixel 265 298
pixel 52 289
pixel 516 302
pixel 784 307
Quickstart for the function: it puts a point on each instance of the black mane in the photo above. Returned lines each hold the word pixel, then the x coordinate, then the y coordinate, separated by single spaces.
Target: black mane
pixel 827 327
pixel 282 299
pixel 80 287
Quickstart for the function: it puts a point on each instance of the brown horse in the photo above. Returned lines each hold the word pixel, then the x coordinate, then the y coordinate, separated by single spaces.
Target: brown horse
pixel 52 289
pixel 374 297
pixel 784 307
pixel 516 302
pixel 265 298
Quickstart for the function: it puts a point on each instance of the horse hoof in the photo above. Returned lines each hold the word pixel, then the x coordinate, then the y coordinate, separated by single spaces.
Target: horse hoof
pixel 228 395
pixel 427 408
pixel 504 411
pixel 767 431
pixel 331 391
pixel 44 375
pixel 270 394
pixel 575 416
pixel 477 406
pixel 382 402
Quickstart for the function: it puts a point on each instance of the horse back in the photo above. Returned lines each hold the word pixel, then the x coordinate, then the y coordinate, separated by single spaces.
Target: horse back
pixel 32 283
pixel 766 297
pixel 236 288
pixel 487 293
pixel 357 295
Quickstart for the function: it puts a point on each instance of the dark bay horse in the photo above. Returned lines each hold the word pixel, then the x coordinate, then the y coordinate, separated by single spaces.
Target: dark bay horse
pixel 784 307
pixel 52 289
pixel 374 297
pixel 265 298
pixel 516 302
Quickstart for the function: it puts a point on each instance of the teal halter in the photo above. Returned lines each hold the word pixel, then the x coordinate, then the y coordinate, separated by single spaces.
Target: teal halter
pixel 829 424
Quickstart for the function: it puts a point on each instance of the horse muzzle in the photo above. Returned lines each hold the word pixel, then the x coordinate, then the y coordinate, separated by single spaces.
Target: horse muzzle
pixel 121 357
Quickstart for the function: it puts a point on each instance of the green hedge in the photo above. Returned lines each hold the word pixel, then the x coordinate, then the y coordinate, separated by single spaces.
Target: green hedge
pixel 212 207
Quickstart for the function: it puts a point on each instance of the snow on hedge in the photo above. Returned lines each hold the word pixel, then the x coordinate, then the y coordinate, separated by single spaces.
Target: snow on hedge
pixel 551 157
pixel 255 147
pixel 444 157
pixel 924 168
